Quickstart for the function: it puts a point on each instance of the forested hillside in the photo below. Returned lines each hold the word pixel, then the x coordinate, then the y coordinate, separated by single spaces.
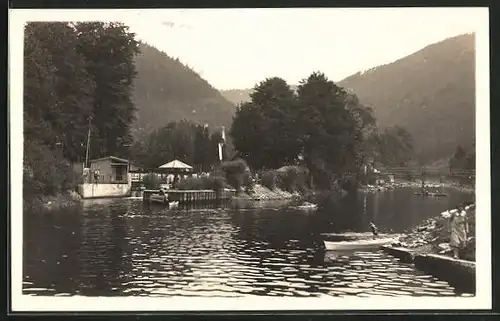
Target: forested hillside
pixel 166 90
pixel 431 93
pixel 237 96
pixel 77 79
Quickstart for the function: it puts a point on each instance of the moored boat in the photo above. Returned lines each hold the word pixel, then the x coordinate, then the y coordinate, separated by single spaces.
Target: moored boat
pixel 307 206
pixel 357 235
pixel 162 197
pixel 358 244
pixel 159 197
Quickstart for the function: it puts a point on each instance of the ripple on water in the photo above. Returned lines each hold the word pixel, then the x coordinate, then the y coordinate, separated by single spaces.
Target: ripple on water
pixel 211 253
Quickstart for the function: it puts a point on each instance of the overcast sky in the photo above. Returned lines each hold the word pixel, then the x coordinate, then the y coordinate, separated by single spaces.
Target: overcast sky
pixel 238 48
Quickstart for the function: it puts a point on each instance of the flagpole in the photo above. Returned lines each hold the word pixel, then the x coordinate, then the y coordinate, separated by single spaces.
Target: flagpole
pixel 220 152
pixel 88 143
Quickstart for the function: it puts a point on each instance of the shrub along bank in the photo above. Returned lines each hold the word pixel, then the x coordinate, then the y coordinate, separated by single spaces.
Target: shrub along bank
pixel 49 181
pixel 289 182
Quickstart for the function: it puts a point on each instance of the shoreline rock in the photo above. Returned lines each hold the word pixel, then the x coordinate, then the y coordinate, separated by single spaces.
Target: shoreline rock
pixel 261 193
pixel 432 236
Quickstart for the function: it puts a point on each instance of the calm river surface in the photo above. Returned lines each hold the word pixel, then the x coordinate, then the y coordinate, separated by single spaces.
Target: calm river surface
pixel 128 248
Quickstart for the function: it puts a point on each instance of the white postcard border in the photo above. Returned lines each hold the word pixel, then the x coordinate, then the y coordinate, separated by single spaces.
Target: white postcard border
pixel 20 302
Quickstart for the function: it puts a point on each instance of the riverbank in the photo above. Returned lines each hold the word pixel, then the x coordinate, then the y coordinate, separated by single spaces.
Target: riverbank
pixel 432 236
pixel 46 203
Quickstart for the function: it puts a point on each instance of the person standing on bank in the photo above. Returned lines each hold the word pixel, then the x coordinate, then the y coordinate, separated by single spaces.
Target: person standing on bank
pixel 97 173
pixel 459 229
pixel 374 229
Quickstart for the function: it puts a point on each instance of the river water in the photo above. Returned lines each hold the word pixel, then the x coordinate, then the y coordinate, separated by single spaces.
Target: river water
pixel 125 247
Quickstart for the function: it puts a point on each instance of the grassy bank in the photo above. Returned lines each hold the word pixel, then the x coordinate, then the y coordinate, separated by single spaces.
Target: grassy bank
pixel 44 203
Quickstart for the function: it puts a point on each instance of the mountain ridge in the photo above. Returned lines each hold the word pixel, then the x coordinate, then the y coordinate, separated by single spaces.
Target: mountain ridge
pixel 431 92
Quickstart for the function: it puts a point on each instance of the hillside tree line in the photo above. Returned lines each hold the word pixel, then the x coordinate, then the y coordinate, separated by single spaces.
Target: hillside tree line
pixel 185 140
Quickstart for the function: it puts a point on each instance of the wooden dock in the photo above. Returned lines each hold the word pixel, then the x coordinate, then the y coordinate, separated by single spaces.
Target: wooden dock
pixel 193 196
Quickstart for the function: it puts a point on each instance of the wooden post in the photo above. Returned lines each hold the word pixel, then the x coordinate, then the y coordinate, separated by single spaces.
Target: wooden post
pixel 88 144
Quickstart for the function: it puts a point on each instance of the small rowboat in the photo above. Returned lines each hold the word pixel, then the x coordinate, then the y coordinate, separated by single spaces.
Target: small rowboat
pixel 307 206
pixel 159 197
pixel 357 235
pixel 358 244
pixel 172 204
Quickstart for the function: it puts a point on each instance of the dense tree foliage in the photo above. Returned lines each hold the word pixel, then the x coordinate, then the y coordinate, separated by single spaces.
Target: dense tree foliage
pixel 110 50
pixel 234 172
pixel 263 129
pixel 183 140
pixel 463 159
pixel 74 72
pixel 240 96
pixel 431 93
pixel 395 147
pixel 167 90
pixel 328 127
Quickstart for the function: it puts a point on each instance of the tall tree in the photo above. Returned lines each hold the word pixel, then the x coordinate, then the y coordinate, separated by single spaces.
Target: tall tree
pixel 39 79
pixel 462 160
pixel 183 140
pixel 110 49
pixel 66 86
pixel 73 71
pixel 323 122
pixel 365 141
pixel 329 132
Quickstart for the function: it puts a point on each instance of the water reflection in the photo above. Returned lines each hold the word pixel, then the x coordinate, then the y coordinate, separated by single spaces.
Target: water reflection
pixel 127 247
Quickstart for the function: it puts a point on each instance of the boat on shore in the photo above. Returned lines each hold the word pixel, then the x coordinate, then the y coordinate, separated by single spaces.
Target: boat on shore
pixel 307 206
pixel 358 244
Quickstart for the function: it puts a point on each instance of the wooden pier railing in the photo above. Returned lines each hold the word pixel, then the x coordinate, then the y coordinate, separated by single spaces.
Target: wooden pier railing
pixel 193 196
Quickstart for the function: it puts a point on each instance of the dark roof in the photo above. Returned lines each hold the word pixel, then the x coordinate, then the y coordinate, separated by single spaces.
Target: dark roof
pixel 176 164
pixel 113 158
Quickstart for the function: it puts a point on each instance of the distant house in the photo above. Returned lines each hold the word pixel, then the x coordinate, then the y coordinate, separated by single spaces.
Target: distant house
pixel 111 170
